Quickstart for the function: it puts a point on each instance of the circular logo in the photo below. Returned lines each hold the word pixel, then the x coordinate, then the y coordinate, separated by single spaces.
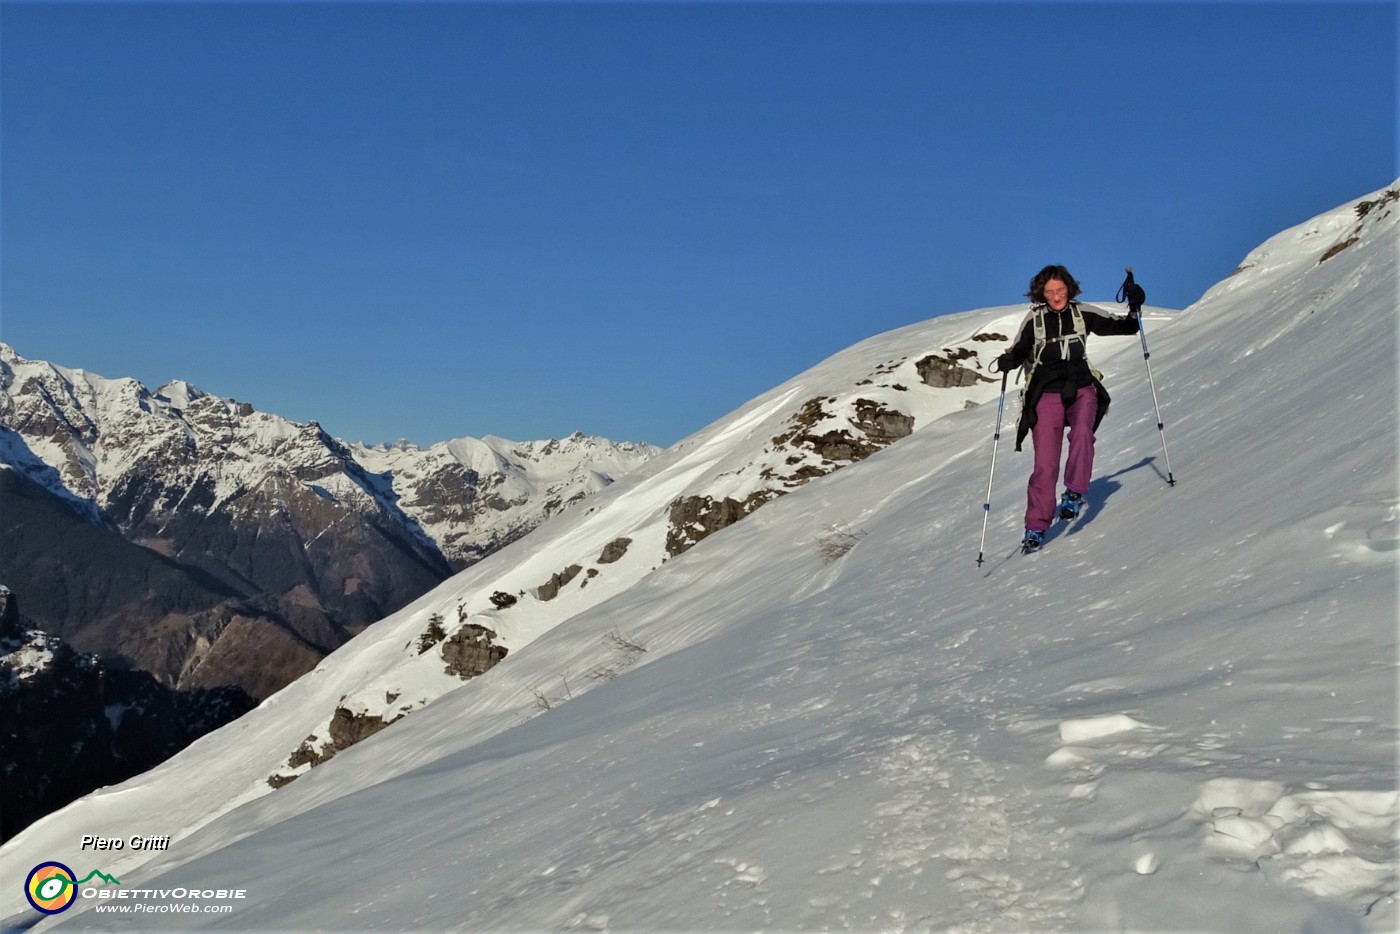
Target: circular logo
pixel 51 887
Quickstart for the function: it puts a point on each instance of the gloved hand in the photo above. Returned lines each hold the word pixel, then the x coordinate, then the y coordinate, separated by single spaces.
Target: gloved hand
pixel 1005 363
pixel 1132 293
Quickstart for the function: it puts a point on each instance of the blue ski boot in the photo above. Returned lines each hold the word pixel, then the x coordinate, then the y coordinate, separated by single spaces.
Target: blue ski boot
pixel 1032 542
pixel 1070 505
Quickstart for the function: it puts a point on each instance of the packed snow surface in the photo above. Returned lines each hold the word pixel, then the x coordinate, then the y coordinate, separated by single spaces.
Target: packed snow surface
pixel 1179 715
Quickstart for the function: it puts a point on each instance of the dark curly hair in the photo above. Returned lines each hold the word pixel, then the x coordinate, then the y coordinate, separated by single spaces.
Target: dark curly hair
pixel 1037 292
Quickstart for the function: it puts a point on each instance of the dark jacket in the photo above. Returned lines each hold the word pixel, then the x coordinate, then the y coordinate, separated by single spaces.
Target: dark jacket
pixel 1053 373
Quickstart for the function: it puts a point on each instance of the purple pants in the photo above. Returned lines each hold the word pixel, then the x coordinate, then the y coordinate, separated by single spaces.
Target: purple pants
pixel 1047 436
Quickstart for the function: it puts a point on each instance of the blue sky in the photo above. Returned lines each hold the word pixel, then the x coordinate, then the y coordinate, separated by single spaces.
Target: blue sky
pixel 425 221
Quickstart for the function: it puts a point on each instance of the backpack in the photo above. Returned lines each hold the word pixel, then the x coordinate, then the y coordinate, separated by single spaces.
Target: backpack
pixel 1079 333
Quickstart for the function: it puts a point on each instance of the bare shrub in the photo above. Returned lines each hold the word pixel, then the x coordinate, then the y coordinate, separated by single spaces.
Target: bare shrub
pixel 544 702
pixel 835 542
pixel 626 650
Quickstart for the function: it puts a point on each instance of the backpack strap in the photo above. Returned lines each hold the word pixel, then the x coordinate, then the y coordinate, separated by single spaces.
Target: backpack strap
pixel 1079 332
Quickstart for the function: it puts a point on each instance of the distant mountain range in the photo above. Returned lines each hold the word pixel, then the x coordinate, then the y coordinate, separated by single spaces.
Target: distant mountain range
pixel 184 549
pixel 211 544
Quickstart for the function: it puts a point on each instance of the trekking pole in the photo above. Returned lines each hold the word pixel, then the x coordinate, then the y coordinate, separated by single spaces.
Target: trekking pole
pixel 1161 429
pixel 1134 295
pixel 987 503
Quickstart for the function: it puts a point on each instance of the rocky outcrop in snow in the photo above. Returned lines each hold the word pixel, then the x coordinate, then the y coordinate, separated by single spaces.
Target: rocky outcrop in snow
pixel 838 414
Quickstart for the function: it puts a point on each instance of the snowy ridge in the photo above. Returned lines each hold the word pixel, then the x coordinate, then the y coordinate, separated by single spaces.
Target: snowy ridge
pixel 1183 708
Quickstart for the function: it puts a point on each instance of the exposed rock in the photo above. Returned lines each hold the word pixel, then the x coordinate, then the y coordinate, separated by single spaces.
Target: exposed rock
pixel 816 428
pixel 801 423
pixel 876 426
pixel 695 518
pixel 472 651
pixel 346 728
pixel 550 590
pixel 614 550
pixel 1389 196
pixel 1337 248
pixel 946 372
pixel 1363 209
pixel 305 754
pixel 832 445
pixel 882 426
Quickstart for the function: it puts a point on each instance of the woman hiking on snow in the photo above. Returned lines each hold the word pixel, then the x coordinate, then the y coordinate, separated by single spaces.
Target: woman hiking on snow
pixel 1061 392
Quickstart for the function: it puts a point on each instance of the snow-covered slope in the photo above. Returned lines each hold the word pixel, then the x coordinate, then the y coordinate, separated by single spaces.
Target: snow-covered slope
pixel 804 429
pixel 1180 714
